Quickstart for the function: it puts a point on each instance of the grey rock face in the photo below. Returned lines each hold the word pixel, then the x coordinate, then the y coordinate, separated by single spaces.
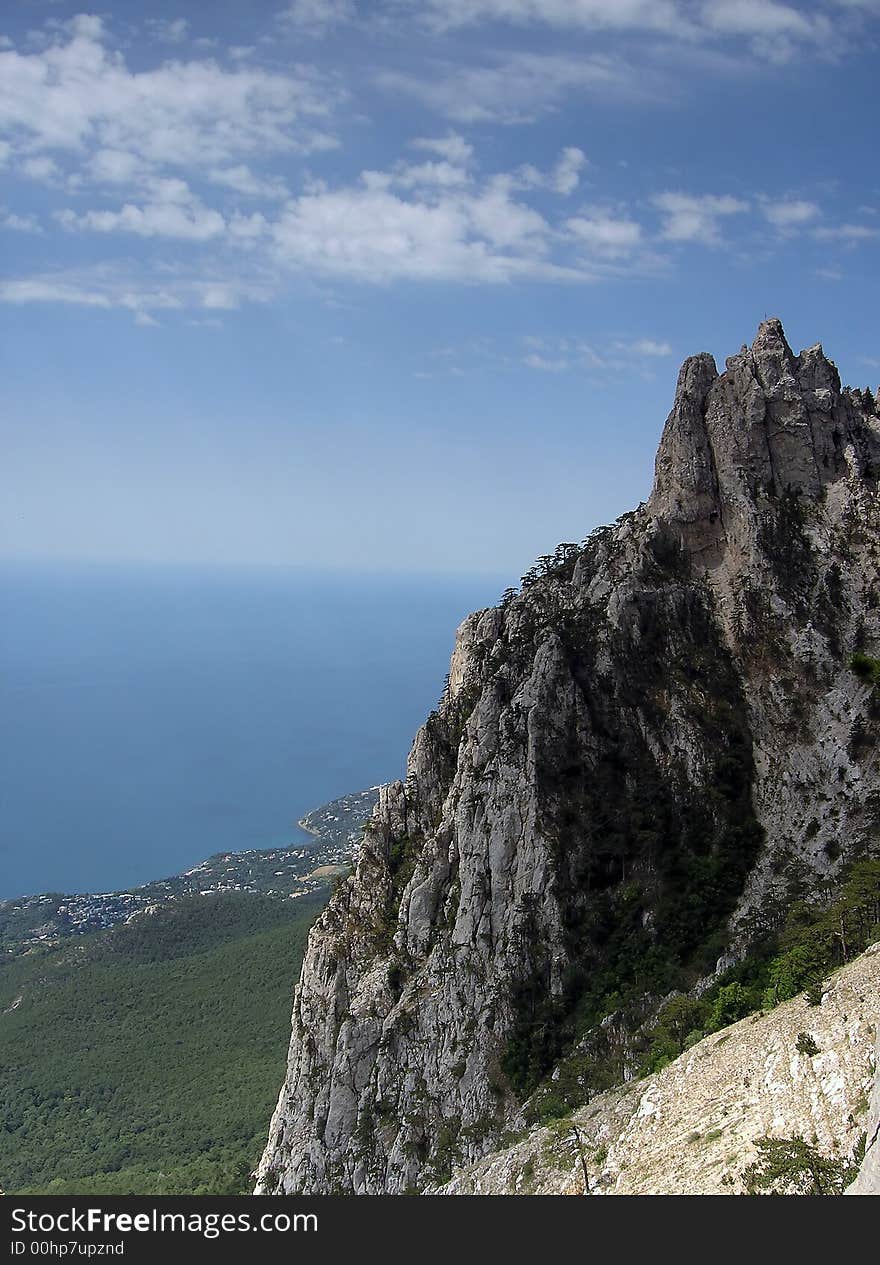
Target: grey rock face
pixel 632 758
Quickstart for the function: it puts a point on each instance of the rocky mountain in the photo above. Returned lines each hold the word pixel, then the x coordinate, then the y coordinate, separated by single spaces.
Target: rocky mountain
pixel 639 761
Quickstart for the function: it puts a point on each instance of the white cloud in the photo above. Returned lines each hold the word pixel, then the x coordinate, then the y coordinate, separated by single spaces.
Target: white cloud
pixel 519 87
pixel 372 235
pixel 219 298
pixel 772 29
pixel 850 234
pixel 173 210
pixel 564 177
pixel 242 180
pixel 168 30
pixel 155 219
pixel 38 291
pixel 115 166
pixel 535 361
pixel 109 289
pixel 317 17
pixel 567 172
pixel 453 147
pixel 789 213
pixel 776 32
pixel 651 347
pixel 506 224
pixel 589 357
pixel 756 17
pixel 77 96
pixel 557 354
pixel 695 219
pixel 18 223
pixel 604 234
pixel 420 175
pixel 663 15
pixel 246 230
pixel 369 233
pixel 41 168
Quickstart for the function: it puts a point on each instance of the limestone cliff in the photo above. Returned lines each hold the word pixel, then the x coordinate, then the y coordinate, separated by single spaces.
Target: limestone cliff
pixel 637 758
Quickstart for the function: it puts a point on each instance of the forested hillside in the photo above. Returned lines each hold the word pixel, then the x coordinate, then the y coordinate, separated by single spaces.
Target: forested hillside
pixel 145 1059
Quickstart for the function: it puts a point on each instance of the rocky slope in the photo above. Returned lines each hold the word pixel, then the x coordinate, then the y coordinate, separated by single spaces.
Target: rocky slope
pixel 868 1180
pixel 638 760
pixel 691 1128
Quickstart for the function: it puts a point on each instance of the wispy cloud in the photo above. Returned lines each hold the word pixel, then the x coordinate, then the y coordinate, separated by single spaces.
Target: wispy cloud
pixel 689 218
pixel 241 179
pixel 452 147
pixel 18 223
pixel 519 87
pixel 847 234
pixel 533 360
pixel 617 15
pixel 121 288
pixel 172 210
pixel 790 213
pixel 168 30
pixel 605 234
pixel 771 29
pixel 762 18
pixel 42 168
pixel 554 354
pixel 424 175
pixel 651 347
pixel 317 17
pixel 567 173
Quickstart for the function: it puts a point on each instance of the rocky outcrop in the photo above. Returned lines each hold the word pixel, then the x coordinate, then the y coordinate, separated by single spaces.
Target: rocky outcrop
pixel 638 759
pixel 868 1180
pixel 692 1128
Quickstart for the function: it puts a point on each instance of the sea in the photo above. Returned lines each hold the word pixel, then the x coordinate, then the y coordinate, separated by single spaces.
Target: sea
pixel 151 716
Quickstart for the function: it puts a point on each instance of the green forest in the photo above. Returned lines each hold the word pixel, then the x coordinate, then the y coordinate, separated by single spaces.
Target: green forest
pixel 147 1059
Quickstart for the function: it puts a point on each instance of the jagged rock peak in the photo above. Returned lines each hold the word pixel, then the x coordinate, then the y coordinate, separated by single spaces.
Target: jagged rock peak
pixel 773 423
pixel 695 377
pixel 770 340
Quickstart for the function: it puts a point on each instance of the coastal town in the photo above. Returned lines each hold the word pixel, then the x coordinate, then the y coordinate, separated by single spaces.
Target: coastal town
pixel 287 873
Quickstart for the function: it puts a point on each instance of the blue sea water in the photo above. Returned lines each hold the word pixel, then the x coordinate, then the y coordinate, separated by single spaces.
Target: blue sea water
pixel 151 716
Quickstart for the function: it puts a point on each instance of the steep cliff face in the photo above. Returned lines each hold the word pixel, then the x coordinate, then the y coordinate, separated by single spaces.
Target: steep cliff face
pixel 635 760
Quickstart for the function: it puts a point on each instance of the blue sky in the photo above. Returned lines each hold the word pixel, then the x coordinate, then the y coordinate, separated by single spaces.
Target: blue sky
pixel 399 285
